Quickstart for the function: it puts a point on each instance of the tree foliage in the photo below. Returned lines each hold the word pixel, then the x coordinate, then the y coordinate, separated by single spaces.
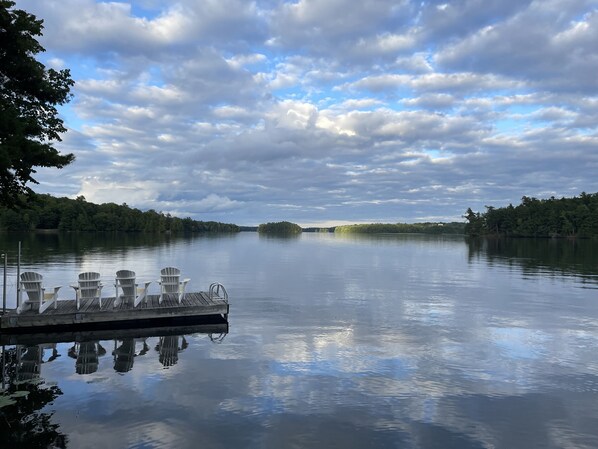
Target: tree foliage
pixel 29 94
pixel 47 212
pixel 552 217
pixel 281 227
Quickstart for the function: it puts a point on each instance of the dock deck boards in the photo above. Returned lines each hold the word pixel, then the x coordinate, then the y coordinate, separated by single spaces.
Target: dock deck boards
pixel 66 314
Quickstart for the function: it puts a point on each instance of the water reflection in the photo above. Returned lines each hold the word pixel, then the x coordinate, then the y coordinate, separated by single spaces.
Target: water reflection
pixel 23 423
pixel 30 359
pixel 87 356
pixel 392 342
pixel 562 257
pixel 46 246
pixel 168 349
pixel 25 420
pixel 124 353
pixel 90 346
pixel 281 237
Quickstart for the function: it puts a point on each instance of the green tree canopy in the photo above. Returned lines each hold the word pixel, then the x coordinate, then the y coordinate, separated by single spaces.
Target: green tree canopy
pixel 281 227
pixel 401 228
pixel 29 94
pixel 552 217
pixel 47 212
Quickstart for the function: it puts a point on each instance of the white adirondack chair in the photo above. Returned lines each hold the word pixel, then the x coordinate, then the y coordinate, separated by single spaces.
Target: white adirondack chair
pixel 89 286
pixel 126 282
pixel 170 283
pixel 37 298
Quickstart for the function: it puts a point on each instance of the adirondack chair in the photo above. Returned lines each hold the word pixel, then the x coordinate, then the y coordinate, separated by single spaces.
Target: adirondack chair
pixel 125 281
pixel 37 298
pixel 170 283
pixel 89 286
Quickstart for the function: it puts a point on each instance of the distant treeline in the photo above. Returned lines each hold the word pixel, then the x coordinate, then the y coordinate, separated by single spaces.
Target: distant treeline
pixel 403 228
pixel 47 212
pixel 553 217
pixel 281 227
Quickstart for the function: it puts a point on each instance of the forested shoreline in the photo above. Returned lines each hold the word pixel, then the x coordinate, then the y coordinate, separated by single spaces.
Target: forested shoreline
pixel 402 228
pixel 45 212
pixel 552 217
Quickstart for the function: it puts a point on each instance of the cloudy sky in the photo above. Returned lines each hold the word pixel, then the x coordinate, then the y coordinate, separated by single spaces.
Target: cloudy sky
pixel 325 111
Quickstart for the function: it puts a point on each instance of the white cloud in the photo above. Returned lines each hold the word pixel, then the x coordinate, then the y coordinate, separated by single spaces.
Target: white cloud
pixel 97 190
pixel 293 114
pixel 319 111
pixel 215 202
pixel 538 45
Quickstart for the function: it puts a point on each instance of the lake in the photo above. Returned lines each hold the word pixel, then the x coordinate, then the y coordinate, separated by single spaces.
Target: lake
pixel 390 341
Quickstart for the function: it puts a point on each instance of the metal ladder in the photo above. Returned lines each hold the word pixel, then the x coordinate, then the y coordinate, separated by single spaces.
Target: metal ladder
pixel 217 291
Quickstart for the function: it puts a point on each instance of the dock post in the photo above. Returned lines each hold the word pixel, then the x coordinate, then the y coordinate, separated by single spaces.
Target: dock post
pixel 3 365
pixel 4 286
pixel 19 276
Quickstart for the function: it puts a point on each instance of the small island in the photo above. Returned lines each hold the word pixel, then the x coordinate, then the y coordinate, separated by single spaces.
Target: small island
pixel 279 228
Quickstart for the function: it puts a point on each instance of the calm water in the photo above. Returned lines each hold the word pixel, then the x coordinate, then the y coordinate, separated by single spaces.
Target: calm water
pixel 381 342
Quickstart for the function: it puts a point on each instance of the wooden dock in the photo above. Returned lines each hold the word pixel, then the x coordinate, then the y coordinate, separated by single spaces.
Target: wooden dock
pixel 67 317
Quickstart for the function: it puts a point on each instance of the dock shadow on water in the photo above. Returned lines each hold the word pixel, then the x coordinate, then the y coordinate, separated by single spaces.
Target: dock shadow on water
pixel 26 397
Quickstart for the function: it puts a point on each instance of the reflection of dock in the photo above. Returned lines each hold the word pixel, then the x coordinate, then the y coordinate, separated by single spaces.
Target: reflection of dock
pixel 67 317
pixel 23 354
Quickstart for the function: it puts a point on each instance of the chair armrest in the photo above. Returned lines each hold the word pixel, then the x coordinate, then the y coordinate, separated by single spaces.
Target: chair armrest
pixel 52 295
pixel 144 285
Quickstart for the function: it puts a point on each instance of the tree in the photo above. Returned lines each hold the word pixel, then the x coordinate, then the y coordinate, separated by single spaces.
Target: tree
pixel 281 227
pixel 29 94
pixel 565 217
pixel 475 223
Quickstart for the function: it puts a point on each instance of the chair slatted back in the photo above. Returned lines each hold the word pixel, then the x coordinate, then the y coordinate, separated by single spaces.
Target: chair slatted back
pixel 31 283
pixel 170 279
pixel 89 285
pixel 125 280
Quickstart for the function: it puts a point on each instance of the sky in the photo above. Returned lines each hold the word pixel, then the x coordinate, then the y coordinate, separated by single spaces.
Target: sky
pixel 324 112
